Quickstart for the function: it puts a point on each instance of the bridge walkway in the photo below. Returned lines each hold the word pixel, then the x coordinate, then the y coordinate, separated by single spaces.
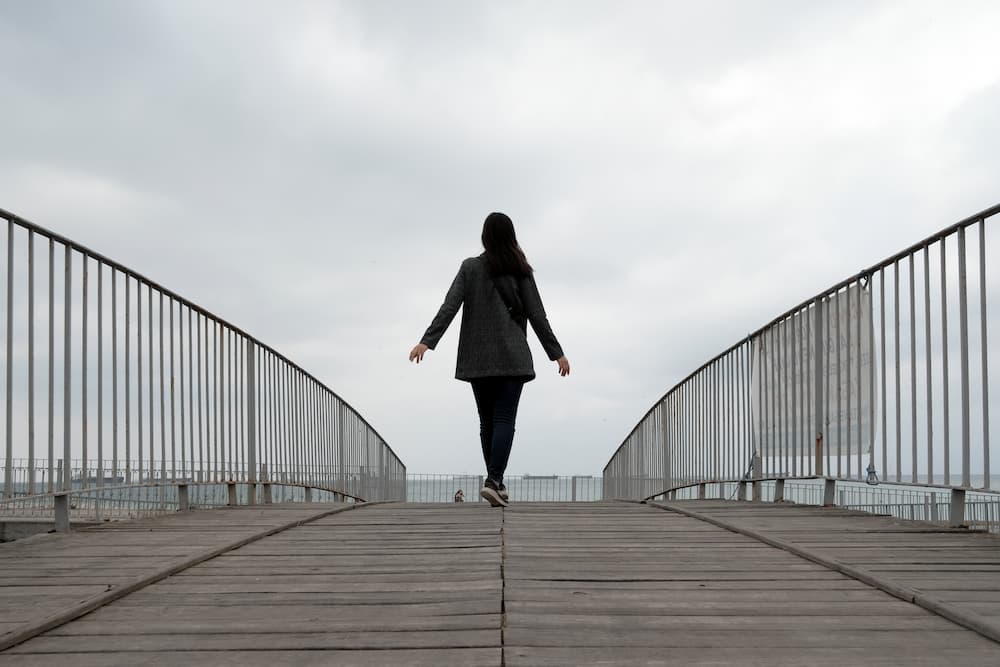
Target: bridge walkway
pixel 695 582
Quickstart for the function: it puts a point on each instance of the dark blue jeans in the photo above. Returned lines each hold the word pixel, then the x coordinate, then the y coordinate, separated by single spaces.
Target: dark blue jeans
pixel 496 400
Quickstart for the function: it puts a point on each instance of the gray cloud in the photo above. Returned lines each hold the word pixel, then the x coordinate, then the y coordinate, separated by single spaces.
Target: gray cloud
pixel 679 174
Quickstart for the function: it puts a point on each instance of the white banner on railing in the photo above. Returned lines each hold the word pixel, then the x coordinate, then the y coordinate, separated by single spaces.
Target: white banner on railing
pixel 783 380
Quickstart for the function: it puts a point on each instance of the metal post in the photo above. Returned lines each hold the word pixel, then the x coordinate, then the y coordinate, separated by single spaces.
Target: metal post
pixel 779 491
pixel 309 494
pixel 61 501
pixel 31 362
pixel 183 502
pixel 963 333
pixel 67 480
pixel 818 384
pixel 945 377
pixel 8 481
pixel 251 398
pixel 83 372
pixel 701 491
pixel 984 347
pixel 231 486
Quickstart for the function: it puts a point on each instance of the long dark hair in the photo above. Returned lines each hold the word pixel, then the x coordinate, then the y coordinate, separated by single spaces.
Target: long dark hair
pixel 503 254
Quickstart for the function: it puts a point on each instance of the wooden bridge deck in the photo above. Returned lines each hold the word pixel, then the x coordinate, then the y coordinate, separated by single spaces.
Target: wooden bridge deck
pixel 697 582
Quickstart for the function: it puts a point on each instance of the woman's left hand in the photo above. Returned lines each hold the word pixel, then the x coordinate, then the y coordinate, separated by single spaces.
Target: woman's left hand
pixel 563 365
pixel 417 353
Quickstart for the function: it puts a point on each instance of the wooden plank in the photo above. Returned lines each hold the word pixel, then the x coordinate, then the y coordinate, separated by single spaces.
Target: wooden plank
pixel 263 641
pixel 486 657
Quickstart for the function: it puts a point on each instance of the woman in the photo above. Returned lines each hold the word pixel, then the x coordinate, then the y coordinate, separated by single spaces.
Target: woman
pixel 499 297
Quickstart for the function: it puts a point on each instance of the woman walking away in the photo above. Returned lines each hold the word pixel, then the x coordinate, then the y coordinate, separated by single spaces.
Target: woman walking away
pixel 500 297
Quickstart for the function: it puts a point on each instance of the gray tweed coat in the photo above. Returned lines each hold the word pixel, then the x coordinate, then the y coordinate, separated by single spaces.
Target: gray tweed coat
pixel 490 343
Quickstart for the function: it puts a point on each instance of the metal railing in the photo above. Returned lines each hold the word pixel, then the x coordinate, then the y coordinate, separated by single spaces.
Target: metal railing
pixel 885 376
pixel 433 488
pixel 137 386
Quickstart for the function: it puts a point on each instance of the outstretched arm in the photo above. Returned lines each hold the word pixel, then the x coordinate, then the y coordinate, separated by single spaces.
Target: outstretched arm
pixel 446 313
pixel 535 312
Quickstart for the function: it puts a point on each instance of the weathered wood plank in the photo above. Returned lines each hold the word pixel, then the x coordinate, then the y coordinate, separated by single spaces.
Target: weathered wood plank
pixel 236 657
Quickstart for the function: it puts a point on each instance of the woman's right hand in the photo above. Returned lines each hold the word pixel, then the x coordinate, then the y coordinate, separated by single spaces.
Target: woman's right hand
pixel 563 365
pixel 417 353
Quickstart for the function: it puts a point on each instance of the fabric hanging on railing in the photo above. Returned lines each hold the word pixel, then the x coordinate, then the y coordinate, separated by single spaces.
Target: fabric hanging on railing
pixel 783 379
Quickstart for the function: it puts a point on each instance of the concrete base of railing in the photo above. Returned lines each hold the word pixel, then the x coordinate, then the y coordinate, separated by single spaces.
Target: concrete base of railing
pixel 12 528
pixel 18 528
pixel 957 508
pixel 61 503
pixel 829 492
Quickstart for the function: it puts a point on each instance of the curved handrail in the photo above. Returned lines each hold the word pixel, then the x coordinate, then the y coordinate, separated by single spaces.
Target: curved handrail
pixel 725 414
pixel 282 415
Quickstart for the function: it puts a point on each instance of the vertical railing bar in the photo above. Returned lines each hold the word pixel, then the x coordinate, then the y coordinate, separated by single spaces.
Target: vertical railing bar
pixel 201 429
pixel 802 332
pixel 827 393
pixel 983 344
pixel 248 387
pixel 238 412
pixel 217 447
pixel 128 383
pixel 791 346
pixel 152 427
pixel 945 376
pixel 860 385
pixel 913 372
pixel 804 426
pixel 846 450
pixel 782 425
pixel 100 373
pixel 929 364
pixel 83 372
pixel 163 418
pixel 899 416
pixel 8 482
pixel 67 368
pixel 746 396
pixel 300 436
pixel 31 362
pixel 885 444
pixel 190 396
pixel 180 365
pixel 138 361
pixel 114 372
pixel 772 440
pixel 840 385
pixel 871 377
pixel 731 416
pixel 963 334
pixel 230 390
pixel 173 414
pixel 52 356
pixel 313 418
pixel 759 445
pixel 820 371
pixel 286 422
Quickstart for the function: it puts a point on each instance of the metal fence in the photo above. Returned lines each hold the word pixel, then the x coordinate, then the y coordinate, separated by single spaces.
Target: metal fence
pixel 882 377
pixel 431 488
pixel 137 386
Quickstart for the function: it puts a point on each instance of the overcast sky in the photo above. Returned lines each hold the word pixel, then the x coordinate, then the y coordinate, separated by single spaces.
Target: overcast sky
pixel 678 173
